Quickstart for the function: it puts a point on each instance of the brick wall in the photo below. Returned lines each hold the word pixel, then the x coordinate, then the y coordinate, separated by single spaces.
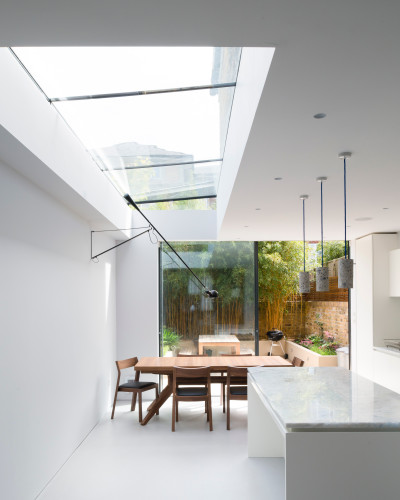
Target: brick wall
pixel 299 319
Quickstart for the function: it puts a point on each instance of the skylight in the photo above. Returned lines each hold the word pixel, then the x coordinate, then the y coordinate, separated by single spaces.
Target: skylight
pixel 155 120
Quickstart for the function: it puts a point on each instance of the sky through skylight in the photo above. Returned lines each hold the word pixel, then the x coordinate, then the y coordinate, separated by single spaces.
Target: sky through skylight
pixel 123 133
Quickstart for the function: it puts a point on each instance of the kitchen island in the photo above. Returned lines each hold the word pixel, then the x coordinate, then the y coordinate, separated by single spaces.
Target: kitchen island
pixel 338 432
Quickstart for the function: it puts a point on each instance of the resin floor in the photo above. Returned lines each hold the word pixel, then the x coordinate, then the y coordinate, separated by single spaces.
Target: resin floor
pixel 122 459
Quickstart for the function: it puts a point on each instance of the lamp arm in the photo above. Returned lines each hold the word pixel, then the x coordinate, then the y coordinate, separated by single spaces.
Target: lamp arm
pixel 133 204
pixel 115 246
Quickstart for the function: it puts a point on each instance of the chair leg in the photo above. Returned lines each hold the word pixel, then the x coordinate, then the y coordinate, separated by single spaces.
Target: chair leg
pixel 115 400
pixel 176 410
pixel 223 398
pixel 173 413
pixel 134 396
pixel 158 411
pixel 228 413
pixel 222 388
pixel 209 414
pixel 207 410
pixel 140 406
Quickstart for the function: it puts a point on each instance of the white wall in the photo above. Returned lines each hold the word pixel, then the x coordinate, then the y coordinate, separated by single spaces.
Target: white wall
pixel 137 299
pixel 377 314
pixel 57 324
pixel 182 225
pixel 362 300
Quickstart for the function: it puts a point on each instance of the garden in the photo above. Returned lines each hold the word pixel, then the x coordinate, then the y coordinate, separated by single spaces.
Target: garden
pixel 315 321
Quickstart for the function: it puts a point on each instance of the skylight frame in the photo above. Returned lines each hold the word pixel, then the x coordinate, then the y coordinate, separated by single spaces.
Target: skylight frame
pixel 223 125
pixel 141 92
pixel 181 182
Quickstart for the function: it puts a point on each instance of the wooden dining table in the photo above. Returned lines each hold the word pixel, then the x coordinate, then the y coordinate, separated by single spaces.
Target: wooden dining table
pixel 217 364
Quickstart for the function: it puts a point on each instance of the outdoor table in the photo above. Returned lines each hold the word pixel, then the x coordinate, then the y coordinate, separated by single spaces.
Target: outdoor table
pixel 217 364
pixel 219 341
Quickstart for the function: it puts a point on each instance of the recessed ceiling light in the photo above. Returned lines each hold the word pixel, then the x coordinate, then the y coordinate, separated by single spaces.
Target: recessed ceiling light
pixel 277 178
pixel 363 219
pixel 318 116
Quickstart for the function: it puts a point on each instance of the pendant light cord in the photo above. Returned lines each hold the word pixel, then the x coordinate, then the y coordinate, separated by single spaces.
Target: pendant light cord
pixel 345 210
pixel 322 229
pixel 304 237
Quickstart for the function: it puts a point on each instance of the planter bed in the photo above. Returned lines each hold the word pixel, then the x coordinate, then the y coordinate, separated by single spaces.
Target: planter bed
pixel 310 358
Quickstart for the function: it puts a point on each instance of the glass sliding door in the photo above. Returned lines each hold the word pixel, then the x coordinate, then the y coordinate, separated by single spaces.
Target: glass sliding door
pixel 193 323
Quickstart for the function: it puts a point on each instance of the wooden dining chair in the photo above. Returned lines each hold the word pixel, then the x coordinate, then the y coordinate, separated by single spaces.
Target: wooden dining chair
pixel 223 382
pixel 236 388
pixel 191 376
pixel 215 379
pixel 136 387
pixel 297 362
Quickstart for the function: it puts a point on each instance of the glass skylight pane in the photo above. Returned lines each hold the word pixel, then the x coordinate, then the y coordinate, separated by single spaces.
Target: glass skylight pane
pixel 152 129
pixel 155 146
pixel 173 182
pixel 74 71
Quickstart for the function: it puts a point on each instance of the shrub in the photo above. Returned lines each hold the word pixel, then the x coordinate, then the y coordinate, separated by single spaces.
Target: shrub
pixel 171 339
pixel 324 345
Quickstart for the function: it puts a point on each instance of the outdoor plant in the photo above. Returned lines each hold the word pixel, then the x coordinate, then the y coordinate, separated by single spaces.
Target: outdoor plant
pixel 321 344
pixel 278 266
pixel 171 339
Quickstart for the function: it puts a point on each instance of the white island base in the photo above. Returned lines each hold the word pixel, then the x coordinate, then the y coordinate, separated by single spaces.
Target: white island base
pixel 320 464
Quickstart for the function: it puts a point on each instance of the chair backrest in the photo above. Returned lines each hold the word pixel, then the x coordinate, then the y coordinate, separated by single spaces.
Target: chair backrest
pixel 237 371
pixel 236 375
pixel 126 363
pixel 191 355
pixel 187 374
pixel 198 372
pixel 297 362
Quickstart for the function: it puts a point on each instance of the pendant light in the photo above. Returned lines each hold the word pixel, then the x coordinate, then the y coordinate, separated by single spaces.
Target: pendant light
pixel 345 279
pixel 304 276
pixel 322 274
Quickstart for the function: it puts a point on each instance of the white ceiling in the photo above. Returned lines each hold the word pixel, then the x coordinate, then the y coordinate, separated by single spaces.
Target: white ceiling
pixel 341 58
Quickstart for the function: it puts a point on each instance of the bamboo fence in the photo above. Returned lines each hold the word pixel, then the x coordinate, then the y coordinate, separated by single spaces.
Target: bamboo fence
pixel 218 317
pixel 189 322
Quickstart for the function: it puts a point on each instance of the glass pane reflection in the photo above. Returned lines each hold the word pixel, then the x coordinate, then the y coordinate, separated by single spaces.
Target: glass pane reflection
pixel 195 204
pixel 173 182
pixel 225 266
pixel 149 129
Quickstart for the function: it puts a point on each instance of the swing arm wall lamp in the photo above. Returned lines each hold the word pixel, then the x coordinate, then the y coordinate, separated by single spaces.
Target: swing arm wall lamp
pixel 208 293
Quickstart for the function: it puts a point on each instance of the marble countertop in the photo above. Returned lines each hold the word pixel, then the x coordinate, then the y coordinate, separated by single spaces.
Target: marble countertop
pixel 386 350
pixel 326 399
